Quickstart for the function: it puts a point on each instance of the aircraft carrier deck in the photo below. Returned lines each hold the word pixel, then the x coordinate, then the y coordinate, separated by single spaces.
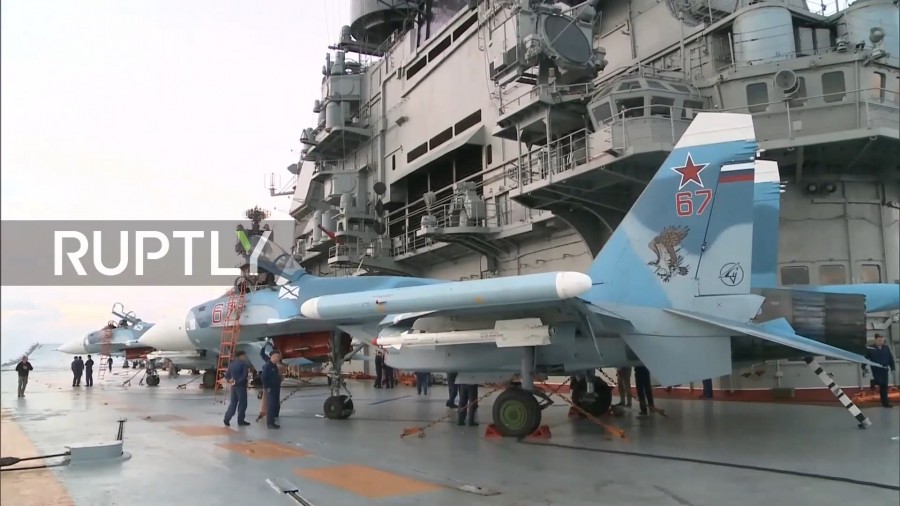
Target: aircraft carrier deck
pixel 703 453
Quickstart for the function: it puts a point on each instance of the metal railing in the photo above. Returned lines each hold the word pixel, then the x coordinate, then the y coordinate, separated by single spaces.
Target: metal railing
pixel 580 147
pixel 533 93
pixel 884 99
pixel 543 163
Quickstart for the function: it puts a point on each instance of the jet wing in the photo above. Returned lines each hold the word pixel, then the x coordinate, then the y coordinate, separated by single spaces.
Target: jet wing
pixel 777 331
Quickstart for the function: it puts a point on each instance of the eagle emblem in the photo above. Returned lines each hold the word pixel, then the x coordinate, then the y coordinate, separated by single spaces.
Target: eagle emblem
pixel 667 247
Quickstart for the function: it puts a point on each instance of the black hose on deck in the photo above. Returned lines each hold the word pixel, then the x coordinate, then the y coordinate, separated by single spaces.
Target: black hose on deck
pixel 11 461
pixel 720 464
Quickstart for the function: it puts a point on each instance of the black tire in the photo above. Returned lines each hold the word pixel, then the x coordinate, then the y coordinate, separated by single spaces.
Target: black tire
pixel 338 407
pixel 152 380
pixel 516 413
pixel 209 379
pixel 598 406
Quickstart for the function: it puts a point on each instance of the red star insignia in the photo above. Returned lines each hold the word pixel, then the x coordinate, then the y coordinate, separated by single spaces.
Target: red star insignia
pixel 690 172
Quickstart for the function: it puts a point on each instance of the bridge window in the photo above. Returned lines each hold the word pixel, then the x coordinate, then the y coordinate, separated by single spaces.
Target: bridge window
pixel 832 274
pixel 833 86
pixel 629 85
pixel 678 87
pixel 661 106
pixel 631 107
pixel 879 83
pixel 870 273
pixel 655 84
pixel 691 107
pixel 602 113
pixel 794 275
pixel 757 97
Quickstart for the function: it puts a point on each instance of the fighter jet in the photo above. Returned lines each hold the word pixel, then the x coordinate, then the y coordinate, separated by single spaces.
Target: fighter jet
pixel 118 337
pixel 122 338
pixel 668 290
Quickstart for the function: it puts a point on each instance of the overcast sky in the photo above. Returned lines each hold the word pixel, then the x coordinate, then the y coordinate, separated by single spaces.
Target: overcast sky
pixel 148 109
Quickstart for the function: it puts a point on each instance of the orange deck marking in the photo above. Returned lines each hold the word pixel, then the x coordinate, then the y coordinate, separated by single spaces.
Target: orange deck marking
pixel 38 487
pixel 265 450
pixel 366 481
pixel 162 418
pixel 204 430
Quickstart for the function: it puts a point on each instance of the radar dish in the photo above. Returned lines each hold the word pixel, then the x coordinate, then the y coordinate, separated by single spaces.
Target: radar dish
pixel 567 40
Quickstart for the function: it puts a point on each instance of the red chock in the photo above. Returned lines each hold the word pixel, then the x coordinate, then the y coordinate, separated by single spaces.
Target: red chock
pixel 542 432
pixel 491 432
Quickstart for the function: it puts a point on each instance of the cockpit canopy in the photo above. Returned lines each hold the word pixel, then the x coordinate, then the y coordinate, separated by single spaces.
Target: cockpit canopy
pixel 265 262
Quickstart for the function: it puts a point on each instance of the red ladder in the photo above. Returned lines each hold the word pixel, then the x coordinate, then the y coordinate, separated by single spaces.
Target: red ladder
pixel 105 341
pixel 231 329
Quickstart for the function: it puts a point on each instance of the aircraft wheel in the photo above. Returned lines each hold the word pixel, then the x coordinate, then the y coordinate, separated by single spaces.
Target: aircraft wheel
pixel 516 413
pixel 338 407
pixel 209 379
pixel 152 380
pixel 597 406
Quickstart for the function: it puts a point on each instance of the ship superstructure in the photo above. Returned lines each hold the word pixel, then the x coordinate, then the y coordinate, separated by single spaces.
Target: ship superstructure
pixel 472 139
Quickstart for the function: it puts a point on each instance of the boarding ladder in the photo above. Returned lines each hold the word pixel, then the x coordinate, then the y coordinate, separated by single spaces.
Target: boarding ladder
pixel 231 329
pixel 105 352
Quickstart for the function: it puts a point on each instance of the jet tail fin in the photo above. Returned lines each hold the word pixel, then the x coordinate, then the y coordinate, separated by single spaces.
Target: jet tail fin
pixel 690 231
pixel 767 191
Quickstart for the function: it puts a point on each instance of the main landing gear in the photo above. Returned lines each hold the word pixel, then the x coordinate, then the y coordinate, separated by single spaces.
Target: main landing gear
pixel 595 400
pixel 152 379
pixel 517 411
pixel 339 406
pixel 209 378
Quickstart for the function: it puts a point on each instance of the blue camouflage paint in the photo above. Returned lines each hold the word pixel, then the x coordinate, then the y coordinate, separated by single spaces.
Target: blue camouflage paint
pixel 621 272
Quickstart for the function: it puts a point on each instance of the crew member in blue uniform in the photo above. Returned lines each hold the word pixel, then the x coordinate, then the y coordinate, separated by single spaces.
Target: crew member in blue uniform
pixel 271 380
pixel 379 367
pixel 707 389
pixel 388 376
pixel 77 369
pixel 453 388
pixel 880 353
pixel 237 375
pixel 467 394
pixel 644 388
pixel 89 372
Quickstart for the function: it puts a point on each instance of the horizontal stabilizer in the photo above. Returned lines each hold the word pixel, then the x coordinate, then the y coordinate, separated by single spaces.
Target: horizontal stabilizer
pixel 779 325
pixel 679 360
pixel 879 296
pixel 777 331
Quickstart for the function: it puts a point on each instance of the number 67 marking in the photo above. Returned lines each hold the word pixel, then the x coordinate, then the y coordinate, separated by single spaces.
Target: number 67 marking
pixel 684 202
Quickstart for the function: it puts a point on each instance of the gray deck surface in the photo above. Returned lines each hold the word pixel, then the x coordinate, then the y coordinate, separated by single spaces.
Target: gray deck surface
pixel 168 466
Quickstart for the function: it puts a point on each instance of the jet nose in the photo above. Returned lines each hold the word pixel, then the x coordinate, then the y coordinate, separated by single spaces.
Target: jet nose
pixel 74 347
pixel 168 335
